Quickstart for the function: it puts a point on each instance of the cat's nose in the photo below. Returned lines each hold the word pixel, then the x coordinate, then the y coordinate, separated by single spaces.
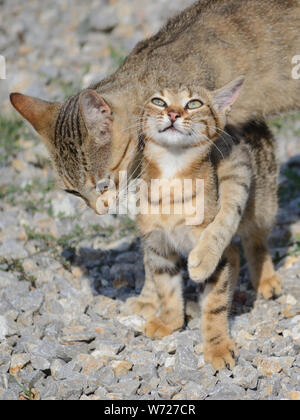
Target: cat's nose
pixel 173 115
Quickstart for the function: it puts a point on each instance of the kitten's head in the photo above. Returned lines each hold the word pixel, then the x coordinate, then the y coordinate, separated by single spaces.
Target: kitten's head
pixel 188 117
pixel 78 135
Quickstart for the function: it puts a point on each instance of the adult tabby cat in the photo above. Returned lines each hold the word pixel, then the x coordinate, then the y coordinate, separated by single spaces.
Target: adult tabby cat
pixel 209 44
pixel 184 140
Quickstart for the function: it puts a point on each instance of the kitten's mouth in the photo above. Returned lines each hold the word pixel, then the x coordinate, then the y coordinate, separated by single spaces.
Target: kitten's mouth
pixel 171 128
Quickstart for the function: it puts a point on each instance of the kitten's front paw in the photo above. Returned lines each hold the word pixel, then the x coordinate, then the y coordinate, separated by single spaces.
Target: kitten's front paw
pixel 270 287
pixel 137 306
pixel 221 356
pixel 202 262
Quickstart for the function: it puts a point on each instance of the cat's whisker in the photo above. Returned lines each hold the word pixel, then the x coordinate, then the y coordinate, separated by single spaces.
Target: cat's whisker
pixel 139 126
pixel 222 132
pixel 208 139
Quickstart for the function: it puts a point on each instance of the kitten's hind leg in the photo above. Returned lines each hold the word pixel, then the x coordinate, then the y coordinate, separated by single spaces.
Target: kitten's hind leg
pixel 161 301
pixel 219 348
pixel 162 270
pixel 171 316
pixel 262 272
pixel 147 304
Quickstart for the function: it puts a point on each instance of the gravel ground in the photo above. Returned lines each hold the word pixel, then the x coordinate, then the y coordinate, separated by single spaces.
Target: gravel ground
pixel 65 272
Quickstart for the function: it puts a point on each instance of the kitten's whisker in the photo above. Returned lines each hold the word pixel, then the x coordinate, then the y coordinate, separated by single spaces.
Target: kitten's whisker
pixel 207 138
pixel 133 126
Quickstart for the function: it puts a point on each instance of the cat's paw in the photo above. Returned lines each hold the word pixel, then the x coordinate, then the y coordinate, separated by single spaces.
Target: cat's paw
pixel 106 202
pixel 155 328
pixel 137 306
pixel 202 262
pixel 270 287
pixel 101 207
pixel 221 356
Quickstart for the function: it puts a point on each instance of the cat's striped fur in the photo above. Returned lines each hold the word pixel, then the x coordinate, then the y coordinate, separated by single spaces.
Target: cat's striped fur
pixel 239 170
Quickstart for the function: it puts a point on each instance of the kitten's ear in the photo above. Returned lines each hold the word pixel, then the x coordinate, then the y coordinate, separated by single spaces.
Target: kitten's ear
pixel 96 113
pixel 39 113
pixel 225 97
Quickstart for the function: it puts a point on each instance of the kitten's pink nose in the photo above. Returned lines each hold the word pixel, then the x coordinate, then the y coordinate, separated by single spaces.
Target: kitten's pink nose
pixel 173 116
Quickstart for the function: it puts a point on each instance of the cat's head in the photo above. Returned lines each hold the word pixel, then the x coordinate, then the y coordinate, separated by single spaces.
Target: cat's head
pixel 78 136
pixel 188 117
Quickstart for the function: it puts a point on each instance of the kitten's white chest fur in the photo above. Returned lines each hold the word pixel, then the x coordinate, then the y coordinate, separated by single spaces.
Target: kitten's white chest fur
pixel 171 161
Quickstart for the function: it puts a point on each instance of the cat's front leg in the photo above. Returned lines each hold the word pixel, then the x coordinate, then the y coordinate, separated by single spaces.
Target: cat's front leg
pixel 205 257
pixel 219 348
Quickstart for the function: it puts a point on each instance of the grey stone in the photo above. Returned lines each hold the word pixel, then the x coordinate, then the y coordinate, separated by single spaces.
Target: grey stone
pixel 284 347
pixel 127 388
pixel 10 395
pixel 4 360
pixel 269 387
pixel 24 300
pixel 185 359
pixel 207 378
pixel 107 376
pixel 227 392
pixel 104 21
pixel 56 368
pixel 11 248
pixel 107 348
pixel 3 328
pixel 48 390
pixel 39 363
pixel 195 391
pixel 71 389
pixel 67 371
pixel 168 392
pixel 141 357
pixel 144 371
pixel 297 361
pixel 7 279
pixel 245 375
pixel 47 349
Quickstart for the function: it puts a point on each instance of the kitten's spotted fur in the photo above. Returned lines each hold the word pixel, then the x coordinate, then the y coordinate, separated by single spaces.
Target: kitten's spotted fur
pixel 240 196
pixel 208 44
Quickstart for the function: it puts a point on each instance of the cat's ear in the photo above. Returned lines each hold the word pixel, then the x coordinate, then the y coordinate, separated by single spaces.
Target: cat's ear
pixel 225 97
pixel 96 114
pixel 39 113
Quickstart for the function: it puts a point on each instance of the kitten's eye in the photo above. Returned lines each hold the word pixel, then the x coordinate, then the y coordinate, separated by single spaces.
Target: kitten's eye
pixel 194 104
pixel 159 102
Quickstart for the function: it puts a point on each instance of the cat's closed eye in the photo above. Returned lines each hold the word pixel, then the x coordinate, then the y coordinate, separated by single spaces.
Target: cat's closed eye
pixel 73 192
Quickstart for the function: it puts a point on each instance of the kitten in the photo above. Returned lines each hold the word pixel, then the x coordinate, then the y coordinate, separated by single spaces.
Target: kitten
pixel 208 44
pixel 184 139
